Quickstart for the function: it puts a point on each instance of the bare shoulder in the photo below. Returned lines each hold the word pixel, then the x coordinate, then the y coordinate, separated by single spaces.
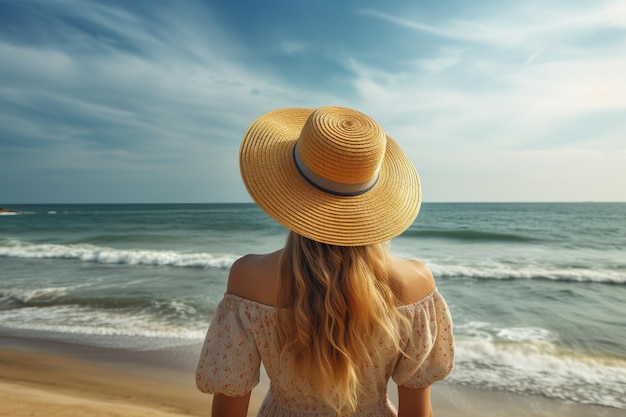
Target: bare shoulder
pixel 255 277
pixel 412 280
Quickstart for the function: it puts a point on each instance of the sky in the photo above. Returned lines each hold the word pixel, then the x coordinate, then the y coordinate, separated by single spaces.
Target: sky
pixel 147 101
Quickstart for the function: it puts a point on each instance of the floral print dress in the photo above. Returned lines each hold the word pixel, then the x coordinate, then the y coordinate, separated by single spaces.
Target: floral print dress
pixel 243 334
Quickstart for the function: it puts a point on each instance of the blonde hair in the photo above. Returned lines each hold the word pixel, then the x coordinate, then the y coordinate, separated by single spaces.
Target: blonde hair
pixel 339 302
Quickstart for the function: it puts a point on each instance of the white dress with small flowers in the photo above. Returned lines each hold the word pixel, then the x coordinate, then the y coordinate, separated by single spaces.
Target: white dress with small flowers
pixel 242 335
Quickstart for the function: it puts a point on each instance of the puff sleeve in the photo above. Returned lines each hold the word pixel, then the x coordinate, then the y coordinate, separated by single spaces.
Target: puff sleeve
pixel 229 361
pixel 429 348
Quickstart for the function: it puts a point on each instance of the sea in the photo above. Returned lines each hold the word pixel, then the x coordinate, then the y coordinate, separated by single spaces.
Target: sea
pixel 537 291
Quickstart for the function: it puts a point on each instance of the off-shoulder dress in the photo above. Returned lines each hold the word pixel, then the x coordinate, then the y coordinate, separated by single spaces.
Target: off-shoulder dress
pixel 243 334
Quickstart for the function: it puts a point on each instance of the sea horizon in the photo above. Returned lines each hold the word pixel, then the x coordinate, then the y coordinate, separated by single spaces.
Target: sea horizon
pixel 5 205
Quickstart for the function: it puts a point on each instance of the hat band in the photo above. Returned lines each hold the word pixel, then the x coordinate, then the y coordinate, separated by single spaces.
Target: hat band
pixel 330 186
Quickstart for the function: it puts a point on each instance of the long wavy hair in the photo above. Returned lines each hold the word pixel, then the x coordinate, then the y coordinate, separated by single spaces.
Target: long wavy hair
pixel 338 303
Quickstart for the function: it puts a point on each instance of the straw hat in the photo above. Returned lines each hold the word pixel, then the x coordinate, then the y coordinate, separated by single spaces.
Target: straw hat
pixel 331 175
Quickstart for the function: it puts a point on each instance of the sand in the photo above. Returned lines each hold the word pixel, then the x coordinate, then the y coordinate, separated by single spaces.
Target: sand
pixel 40 380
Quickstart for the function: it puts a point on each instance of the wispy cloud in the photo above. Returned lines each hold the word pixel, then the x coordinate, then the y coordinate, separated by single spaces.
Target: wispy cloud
pixel 514 27
pixel 291 47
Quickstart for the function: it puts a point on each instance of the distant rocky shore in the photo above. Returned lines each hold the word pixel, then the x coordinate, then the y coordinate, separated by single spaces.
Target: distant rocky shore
pixel 4 210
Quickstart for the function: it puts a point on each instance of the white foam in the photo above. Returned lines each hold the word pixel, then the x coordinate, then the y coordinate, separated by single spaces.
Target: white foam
pixel 491 332
pixel 528 360
pixel 501 271
pixel 27 295
pixel 90 253
pixel 540 368
pixel 89 321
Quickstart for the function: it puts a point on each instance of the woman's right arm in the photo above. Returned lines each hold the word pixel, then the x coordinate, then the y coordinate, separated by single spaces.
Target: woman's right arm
pixel 414 402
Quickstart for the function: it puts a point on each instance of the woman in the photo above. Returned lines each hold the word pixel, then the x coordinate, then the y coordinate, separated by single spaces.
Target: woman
pixel 333 315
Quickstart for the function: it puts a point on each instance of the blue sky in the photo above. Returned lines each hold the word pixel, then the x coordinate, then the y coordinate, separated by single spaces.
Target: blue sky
pixel 147 101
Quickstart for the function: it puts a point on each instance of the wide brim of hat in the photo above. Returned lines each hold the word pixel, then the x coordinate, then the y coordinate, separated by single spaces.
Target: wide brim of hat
pixel 274 183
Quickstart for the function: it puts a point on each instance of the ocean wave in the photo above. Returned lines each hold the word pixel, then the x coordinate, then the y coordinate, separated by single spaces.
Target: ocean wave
pixel 82 320
pixel 493 333
pixel 129 237
pixel 26 296
pixel 467 235
pixel 539 368
pixel 51 297
pixel 89 253
pixel 497 271
pixel 132 317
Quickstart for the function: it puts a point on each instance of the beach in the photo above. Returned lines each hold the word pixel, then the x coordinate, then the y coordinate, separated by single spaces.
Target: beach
pixel 49 385
pixel 40 378
pixel 44 378
pixel 103 307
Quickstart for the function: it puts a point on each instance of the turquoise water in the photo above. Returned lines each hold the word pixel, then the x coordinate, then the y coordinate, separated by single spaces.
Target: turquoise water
pixel 536 290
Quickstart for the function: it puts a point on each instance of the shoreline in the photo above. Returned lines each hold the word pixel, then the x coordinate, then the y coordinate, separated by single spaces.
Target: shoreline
pixel 41 377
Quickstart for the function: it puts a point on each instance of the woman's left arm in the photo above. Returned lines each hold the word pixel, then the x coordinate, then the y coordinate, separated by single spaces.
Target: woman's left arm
pixel 225 406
